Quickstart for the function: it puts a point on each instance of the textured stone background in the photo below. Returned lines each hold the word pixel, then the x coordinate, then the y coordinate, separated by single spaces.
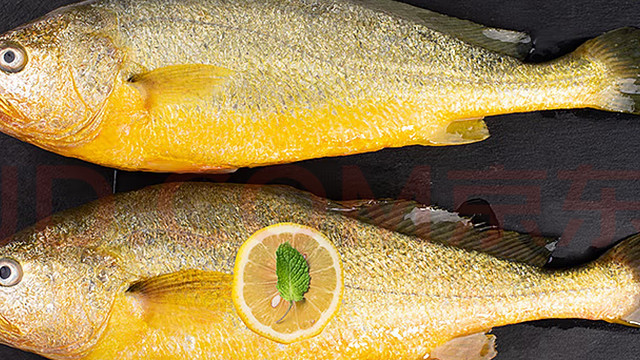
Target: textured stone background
pixel 573 173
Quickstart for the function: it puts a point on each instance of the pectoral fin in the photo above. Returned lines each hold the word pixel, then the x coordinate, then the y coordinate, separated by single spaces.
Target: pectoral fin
pixel 479 346
pixel 175 297
pixel 179 84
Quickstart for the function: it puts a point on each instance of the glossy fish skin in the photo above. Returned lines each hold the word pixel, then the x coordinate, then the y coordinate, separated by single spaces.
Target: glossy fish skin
pixel 403 296
pixel 120 82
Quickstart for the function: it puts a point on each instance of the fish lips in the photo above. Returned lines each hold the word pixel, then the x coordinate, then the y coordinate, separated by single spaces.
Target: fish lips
pixel 15 124
pixel 10 120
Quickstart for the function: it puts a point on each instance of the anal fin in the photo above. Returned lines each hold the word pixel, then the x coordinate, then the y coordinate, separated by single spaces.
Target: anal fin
pixel 462 131
pixel 478 346
pixel 160 164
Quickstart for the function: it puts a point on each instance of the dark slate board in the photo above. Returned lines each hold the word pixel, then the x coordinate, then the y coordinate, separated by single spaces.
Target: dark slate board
pixel 571 173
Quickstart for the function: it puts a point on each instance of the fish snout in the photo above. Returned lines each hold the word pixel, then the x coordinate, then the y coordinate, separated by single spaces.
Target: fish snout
pixel 7 111
pixel 11 120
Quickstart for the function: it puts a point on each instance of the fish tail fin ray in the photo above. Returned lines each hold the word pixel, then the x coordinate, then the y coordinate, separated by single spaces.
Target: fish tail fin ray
pixel 619 52
pixel 627 253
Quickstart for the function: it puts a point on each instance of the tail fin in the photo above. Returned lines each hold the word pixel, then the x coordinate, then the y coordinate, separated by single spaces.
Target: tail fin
pixel 619 52
pixel 627 254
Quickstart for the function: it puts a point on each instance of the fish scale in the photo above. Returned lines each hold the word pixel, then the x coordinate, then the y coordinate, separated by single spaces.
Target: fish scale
pixel 403 296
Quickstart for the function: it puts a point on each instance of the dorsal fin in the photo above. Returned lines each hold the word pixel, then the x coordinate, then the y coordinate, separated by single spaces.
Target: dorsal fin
pixel 479 212
pixel 512 43
pixel 449 228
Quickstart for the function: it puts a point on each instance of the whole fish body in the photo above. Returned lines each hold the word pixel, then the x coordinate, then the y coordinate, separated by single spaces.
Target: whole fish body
pixel 213 85
pixel 147 275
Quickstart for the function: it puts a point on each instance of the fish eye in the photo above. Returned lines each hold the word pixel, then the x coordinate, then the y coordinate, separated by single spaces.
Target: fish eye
pixel 10 272
pixel 13 58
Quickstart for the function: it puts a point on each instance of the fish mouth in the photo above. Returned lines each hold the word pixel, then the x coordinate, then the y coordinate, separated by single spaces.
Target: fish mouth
pixel 14 123
pixel 10 119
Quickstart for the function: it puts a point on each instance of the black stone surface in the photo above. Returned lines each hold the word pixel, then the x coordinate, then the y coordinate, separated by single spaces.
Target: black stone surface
pixel 570 173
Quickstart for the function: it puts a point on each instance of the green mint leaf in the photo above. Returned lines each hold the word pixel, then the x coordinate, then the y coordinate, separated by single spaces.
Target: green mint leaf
pixel 293 273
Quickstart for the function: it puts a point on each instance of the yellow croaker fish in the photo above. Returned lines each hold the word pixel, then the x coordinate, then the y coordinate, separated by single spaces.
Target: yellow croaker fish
pixel 212 85
pixel 147 275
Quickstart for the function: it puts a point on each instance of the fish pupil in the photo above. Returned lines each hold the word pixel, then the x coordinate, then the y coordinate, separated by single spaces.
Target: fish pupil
pixel 9 57
pixel 5 272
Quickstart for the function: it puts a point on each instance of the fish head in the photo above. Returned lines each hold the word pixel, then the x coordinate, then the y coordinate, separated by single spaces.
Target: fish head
pixel 56 74
pixel 55 294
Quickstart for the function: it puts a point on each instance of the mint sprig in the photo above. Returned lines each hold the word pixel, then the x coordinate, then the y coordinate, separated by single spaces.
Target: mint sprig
pixel 292 271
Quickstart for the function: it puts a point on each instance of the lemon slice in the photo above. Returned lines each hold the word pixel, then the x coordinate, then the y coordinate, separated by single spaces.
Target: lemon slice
pixel 257 299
